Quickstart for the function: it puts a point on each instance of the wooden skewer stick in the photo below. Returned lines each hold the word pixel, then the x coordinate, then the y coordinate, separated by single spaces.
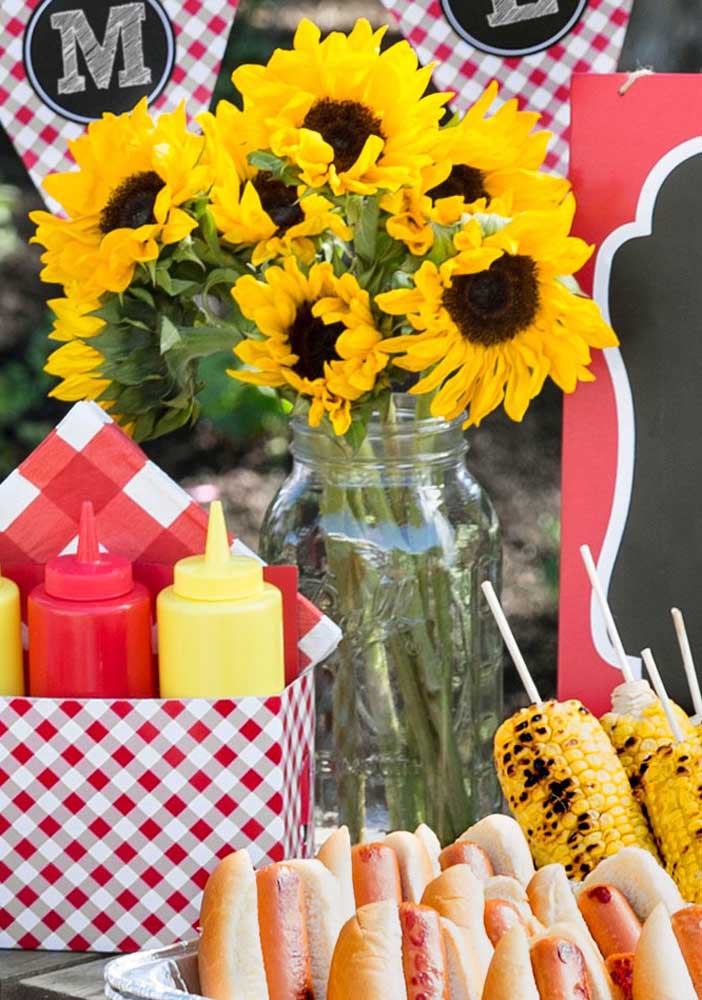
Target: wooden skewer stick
pixel 688 662
pixel 608 616
pixel 659 688
pixel 511 643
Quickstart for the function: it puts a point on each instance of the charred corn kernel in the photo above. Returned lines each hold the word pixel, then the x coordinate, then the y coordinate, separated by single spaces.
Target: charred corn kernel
pixel 672 786
pixel 567 787
pixel 638 732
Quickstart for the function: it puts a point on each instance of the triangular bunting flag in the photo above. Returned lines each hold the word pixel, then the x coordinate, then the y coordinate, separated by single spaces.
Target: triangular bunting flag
pixel 531 47
pixel 65 62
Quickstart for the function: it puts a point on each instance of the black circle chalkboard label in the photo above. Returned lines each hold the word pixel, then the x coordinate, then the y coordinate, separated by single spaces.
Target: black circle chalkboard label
pixel 513 27
pixel 84 59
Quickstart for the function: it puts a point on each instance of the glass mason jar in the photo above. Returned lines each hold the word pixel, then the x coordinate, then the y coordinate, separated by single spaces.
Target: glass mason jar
pixel 392 542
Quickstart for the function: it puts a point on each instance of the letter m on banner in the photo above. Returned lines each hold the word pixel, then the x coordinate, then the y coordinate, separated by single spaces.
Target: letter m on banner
pixel 124 23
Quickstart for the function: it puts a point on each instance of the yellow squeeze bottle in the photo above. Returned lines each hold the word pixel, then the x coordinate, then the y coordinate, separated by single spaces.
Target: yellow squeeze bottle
pixel 11 671
pixel 220 626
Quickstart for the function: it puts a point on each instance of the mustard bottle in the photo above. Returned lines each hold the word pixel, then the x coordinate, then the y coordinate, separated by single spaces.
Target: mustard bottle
pixel 220 626
pixel 11 670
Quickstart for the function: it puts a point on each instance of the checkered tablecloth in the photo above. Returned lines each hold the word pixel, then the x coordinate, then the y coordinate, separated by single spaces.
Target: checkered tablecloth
pixel 140 512
pixel 540 81
pixel 40 135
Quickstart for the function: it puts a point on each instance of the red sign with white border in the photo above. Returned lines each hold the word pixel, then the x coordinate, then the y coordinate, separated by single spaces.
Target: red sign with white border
pixel 630 437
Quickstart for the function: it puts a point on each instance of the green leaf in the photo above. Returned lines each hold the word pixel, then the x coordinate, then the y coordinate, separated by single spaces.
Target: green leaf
pixel 150 266
pixel 223 276
pixel 144 426
pixel 185 251
pixel 139 369
pixel 163 280
pixel 208 228
pixel 143 295
pixel 170 335
pixel 269 162
pixel 443 247
pixel 354 208
pixel 278 168
pixel 110 310
pixel 356 434
pixel 365 235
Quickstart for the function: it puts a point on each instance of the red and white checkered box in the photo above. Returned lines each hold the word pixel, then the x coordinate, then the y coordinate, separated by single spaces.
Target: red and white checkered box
pixel 114 812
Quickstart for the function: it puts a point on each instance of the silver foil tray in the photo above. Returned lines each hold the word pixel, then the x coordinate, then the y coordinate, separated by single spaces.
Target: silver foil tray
pixel 166 974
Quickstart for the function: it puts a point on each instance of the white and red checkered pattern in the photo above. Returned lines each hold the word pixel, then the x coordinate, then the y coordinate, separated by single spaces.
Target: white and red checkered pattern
pixel 540 81
pixel 113 813
pixel 40 135
pixel 140 512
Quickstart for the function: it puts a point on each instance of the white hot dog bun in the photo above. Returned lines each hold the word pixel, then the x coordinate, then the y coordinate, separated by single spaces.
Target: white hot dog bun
pixel 458 895
pixel 335 854
pixel 230 958
pixel 504 843
pixel 416 871
pixel 368 957
pixel 510 976
pixel 324 919
pixel 639 877
pixel 552 898
pixel 431 842
pixel 506 887
pixel 461 974
pixel 660 972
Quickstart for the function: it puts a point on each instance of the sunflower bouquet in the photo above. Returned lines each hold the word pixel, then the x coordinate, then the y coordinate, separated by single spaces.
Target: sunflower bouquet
pixel 342 239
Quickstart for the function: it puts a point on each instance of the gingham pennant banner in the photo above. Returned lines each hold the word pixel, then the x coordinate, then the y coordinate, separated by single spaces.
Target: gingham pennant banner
pixel 531 47
pixel 65 62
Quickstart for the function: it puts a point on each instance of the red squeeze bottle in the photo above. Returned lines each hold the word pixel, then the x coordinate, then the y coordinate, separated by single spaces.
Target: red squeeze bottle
pixel 90 626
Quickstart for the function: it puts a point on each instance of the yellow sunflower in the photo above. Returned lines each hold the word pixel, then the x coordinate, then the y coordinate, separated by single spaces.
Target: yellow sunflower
pixel 76 363
pixel 480 165
pixel 318 338
pixel 413 214
pixel 344 112
pixel 253 208
pixel 123 201
pixel 498 158
pixel 495 320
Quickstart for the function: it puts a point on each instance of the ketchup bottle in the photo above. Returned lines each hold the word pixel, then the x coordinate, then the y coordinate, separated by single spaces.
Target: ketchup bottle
pixel 90 626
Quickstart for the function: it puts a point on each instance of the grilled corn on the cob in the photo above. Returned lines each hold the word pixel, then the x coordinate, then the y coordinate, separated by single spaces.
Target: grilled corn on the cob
pixel 567 787
pixel 672 786
pixel 637 726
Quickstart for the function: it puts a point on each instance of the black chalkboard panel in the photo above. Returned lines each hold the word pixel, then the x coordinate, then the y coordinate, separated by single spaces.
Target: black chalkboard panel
pixel 655 299
pixel 632 459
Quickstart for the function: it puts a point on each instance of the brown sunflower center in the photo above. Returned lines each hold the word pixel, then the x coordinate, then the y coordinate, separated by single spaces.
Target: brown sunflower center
pixel 493 306
pixel 468 182
pixel 279 201
pixel 313 341
pixel 345 125
pixel 132 204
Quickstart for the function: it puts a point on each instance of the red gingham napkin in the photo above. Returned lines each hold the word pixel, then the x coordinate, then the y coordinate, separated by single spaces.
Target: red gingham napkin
pixel 141 513
pixel 541 81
